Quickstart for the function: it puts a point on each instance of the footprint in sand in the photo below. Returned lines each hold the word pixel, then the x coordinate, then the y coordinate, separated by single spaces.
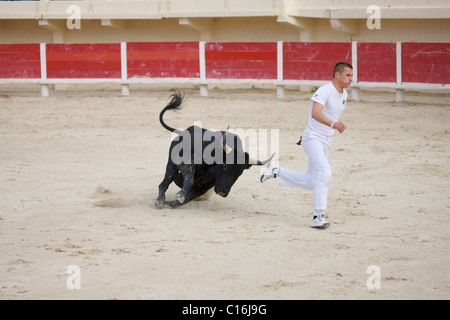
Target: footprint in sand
pixel 115 202
pixel 112 203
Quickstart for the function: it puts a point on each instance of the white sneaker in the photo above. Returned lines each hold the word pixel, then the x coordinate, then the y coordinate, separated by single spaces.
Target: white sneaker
pixel 269 173
pixel 319 222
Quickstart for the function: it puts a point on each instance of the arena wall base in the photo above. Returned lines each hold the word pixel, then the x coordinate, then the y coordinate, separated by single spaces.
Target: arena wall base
pixel 281 92
pixel 356 94
pixel 204 90
pixel 399 95
pixel 125 90
pixel 400 89
pixel 44 90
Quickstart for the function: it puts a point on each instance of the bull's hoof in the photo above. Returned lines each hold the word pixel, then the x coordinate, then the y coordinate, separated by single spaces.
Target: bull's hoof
pixel 159 203
pixel 179 198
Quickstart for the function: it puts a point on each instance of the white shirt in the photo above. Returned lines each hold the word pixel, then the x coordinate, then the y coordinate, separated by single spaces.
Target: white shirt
pixel 334 104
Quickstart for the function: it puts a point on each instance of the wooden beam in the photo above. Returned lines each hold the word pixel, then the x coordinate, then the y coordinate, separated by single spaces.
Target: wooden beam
pixel 304 25
pixel 58 28
pixel 115 24
pixel 204 26
pixel 344 25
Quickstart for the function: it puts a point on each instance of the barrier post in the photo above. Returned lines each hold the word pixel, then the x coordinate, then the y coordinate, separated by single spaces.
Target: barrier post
pixel 281 91
pixel 399 93
pixel 202 63
pixel 43 60
pixel 355 91
pixel 123 69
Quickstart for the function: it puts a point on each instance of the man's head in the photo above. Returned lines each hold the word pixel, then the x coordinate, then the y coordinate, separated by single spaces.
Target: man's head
pixel 343 74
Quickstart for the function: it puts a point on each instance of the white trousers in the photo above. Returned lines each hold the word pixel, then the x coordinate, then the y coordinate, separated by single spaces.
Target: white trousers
pixel 318 176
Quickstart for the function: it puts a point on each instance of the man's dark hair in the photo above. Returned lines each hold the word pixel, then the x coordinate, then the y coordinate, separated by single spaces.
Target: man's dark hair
pixel 340 66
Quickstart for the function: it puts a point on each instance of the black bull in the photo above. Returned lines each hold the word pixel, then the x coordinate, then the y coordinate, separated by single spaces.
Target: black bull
pixel 197 167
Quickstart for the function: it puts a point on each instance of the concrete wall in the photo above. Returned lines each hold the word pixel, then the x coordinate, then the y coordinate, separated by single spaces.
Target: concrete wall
pixel 224 20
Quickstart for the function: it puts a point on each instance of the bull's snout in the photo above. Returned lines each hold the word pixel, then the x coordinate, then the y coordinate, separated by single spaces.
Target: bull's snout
pixel 221 192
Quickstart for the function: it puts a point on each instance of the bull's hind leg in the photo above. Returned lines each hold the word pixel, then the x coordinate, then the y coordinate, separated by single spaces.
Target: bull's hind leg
pixel 192 194
pixel 171 172
pixel 178 180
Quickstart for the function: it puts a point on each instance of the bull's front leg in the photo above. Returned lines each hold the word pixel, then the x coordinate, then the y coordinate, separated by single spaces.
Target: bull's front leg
pixel 171 171
pixel 187 172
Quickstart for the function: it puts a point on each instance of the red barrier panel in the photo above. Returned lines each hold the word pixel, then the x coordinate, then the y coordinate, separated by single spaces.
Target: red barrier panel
pixel 20 61
pixel 241 60
pixel 97 60
pixel 313 60
pixel 163 59
pixel 426 62
pixel 377 62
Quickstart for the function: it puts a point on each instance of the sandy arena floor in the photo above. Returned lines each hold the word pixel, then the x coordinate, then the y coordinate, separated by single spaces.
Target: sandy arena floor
pixel 79 175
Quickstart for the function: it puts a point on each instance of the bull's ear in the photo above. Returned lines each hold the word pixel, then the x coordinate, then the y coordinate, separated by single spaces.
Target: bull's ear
pixel 247 161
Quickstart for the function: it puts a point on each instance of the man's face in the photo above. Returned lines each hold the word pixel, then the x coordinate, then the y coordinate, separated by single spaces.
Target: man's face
pixel 345 78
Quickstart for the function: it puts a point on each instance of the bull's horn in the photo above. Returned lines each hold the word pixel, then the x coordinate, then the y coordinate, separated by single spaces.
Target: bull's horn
pixel 223 142
pixel 255 162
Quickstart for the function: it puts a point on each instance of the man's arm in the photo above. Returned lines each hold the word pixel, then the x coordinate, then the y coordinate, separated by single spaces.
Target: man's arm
pixel 317 115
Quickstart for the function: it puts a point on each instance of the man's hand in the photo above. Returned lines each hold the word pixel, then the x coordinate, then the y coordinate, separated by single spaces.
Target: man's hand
pixel 318 116
pixel 339 126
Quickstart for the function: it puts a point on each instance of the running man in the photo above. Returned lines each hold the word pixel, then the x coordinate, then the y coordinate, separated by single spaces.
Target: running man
pixel 326 107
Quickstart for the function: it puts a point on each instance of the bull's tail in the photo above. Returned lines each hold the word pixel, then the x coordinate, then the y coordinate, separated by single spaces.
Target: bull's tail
pixel 175 105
